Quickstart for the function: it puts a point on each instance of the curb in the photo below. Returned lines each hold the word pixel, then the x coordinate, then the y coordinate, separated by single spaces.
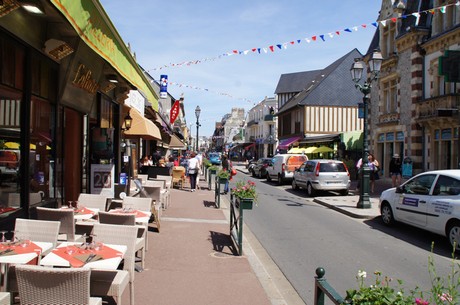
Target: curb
pixel 341 210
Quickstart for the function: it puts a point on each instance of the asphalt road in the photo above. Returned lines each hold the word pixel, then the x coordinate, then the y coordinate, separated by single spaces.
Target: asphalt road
pixel 301 235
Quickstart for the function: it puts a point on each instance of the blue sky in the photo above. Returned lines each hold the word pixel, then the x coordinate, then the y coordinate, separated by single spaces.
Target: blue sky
pixel 176 31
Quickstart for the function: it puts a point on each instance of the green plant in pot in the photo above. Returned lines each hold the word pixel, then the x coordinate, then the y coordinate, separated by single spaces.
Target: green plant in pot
pixel 223 175
pixel 206 163
pixel 245 194
pixel 213 169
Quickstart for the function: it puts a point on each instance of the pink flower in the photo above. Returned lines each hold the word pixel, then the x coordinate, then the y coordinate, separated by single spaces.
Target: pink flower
pixel 419 301
pixel 445 297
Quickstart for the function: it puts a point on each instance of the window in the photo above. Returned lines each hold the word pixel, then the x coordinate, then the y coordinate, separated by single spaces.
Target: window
pixel 390 96
pixel 447 186
pixel 388 38
pixel 420 185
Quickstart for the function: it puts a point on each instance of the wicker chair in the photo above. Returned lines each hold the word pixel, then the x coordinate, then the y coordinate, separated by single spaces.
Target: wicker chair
pixel 113 283
pixel 47 286
pixel 178 176
pixel 37 230
pixel 67 220
pixel 164 192
pixel 93 201
pixel 141 204
pixel 143 177
pixel 127 220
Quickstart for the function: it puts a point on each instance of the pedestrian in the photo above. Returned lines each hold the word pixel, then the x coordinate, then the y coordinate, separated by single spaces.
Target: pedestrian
pixel 395 170
pixel 193 170
pixel 374 167
pixel 226 166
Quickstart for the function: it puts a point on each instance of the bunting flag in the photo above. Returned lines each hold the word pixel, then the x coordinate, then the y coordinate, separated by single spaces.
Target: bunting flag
pixel 322 37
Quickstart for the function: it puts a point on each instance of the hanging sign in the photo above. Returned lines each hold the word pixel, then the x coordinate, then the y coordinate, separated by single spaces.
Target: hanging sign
pixel 174 112
pixel 163 86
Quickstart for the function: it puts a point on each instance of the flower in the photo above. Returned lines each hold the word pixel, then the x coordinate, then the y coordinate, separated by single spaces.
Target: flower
pixel 246 190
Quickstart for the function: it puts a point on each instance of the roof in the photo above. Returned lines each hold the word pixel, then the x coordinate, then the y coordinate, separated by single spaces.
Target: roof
pixel 331 86
pixel 295 82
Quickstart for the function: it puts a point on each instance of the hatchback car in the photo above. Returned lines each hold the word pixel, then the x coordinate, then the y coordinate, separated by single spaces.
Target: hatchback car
pixel 214 158
pixel 322 175
pixel 430 201
pixel 260 169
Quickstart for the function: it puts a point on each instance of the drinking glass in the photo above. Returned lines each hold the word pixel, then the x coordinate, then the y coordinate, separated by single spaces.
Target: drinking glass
pixel 3 239
pixel 70 249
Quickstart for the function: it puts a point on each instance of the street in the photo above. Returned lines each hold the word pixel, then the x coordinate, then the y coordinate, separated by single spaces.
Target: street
pixel 301 235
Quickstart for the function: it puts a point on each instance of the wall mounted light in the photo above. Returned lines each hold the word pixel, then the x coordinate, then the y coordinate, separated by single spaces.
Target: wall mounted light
pixel 57 49
pixel 128 121
pixel 33 7
pixel 7 6
pixel 112 78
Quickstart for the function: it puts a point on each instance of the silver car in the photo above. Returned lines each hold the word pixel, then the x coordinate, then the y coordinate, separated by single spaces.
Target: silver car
pixel 322 175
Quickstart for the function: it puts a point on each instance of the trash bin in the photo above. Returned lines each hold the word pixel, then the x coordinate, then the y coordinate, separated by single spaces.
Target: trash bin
pixel 407 167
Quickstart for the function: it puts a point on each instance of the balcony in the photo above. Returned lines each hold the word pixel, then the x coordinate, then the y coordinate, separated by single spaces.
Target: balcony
pixel 438 107
pixel 269 118
pixel 252 122
pixel 388 118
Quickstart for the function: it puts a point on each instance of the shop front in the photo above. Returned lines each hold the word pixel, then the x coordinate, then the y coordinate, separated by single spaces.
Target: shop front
pixel 61 98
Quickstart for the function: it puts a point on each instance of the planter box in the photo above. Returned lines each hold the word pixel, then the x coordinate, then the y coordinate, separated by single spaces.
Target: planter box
pixel 244 203
pixel 213 171
pixel 222 180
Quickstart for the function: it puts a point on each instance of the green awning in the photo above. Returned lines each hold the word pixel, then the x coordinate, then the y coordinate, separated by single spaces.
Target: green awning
pixel 94 27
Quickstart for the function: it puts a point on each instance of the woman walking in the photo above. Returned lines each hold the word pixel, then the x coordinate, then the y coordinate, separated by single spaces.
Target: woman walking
pixel 226 167
pixel 193 170
pixel 395 170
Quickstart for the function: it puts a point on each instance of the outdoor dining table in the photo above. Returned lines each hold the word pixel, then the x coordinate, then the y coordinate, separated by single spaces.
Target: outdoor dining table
pixel 83 213
pixel 23 252
pixel 141 217
pixel 71 254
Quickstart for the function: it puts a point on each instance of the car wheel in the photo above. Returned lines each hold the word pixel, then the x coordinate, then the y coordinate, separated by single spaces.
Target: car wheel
pixel 344 192
pixel 280 180
pixel 453 234
pixel 253 173
pixel 269 179
pixel 387 214
pixel 310 190
pixel 294 185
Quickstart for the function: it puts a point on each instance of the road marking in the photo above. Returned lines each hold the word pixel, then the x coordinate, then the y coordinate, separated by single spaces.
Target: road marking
pixel 194 220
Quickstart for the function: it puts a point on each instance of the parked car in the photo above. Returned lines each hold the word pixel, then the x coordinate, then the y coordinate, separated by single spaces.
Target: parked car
pixel 322 175
pixel 9 164
pixel 214 158
pixel 260 168
pixel 430 200
pixel 283 167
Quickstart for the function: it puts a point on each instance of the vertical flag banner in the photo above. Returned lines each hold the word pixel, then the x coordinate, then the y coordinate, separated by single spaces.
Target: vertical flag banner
pixel 163 86
pixel 174 112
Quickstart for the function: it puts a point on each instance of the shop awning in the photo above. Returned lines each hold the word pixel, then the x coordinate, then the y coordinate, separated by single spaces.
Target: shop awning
pixel 142 127
pixel 284 143
pixel 176 143
pixel 95 28
pixel 321 139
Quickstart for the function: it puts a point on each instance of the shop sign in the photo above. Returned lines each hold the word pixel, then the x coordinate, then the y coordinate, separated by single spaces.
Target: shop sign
pixel 83 79
pixel 102 179
pixel 163 86
pixel 174 112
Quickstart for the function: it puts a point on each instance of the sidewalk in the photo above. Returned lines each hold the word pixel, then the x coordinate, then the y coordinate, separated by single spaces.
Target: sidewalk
pixel 191 260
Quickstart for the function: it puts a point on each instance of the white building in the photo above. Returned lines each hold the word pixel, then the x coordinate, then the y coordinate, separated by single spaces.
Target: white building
pixel 234 126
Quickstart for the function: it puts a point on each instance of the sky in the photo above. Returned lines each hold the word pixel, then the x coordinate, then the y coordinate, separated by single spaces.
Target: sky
pixel 167 35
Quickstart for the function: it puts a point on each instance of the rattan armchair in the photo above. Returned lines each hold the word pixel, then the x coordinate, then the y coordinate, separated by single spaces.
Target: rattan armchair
pixel 37 230
pixel 141 204
pixel 127 220
pixel 94 201
pixel 113 283
pixel 50 286
pixel 67 220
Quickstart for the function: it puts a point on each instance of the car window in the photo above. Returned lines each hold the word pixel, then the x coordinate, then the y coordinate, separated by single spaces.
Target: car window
pixel 419 185
pixel 294 162
pixel 309 166
pixel 332 167
pixel 302 168
pixel 446 186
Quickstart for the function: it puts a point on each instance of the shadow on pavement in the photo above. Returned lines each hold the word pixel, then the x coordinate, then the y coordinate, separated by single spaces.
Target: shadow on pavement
pixel 221 241
pixel 209 204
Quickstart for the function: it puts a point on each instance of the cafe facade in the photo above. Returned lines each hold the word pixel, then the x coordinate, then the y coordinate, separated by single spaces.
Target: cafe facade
pixel 64 78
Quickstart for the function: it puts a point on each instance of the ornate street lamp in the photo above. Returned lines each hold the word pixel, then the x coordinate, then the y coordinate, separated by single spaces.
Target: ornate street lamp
pixel 128 121
pixel 197 114
pixel 375 63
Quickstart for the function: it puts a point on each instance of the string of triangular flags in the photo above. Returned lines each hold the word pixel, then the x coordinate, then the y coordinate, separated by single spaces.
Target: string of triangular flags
pixel 314 38
pixel 208 90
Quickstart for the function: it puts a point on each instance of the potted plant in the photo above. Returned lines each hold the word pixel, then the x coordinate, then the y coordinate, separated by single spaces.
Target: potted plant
pixel 213 169
pixel 223 176
pixel 245 194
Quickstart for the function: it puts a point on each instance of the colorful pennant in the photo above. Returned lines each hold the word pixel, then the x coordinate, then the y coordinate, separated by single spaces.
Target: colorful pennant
pixel 322 37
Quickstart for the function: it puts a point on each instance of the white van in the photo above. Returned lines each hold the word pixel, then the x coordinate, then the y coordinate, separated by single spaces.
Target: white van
pixel 283 167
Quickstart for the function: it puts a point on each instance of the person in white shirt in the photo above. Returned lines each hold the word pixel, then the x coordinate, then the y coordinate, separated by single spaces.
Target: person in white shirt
pixel 193 168
pixel 199 156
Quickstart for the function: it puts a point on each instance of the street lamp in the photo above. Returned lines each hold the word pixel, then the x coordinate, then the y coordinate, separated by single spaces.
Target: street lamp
pixel 357 68
pixel 197 114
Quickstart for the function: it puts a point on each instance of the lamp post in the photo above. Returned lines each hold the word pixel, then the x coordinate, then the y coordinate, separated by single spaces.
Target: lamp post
pixel 197 114
pixel 375 63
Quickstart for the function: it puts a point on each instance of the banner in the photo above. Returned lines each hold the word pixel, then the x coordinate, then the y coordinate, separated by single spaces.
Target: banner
pixel 163 86
pixel 174 112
